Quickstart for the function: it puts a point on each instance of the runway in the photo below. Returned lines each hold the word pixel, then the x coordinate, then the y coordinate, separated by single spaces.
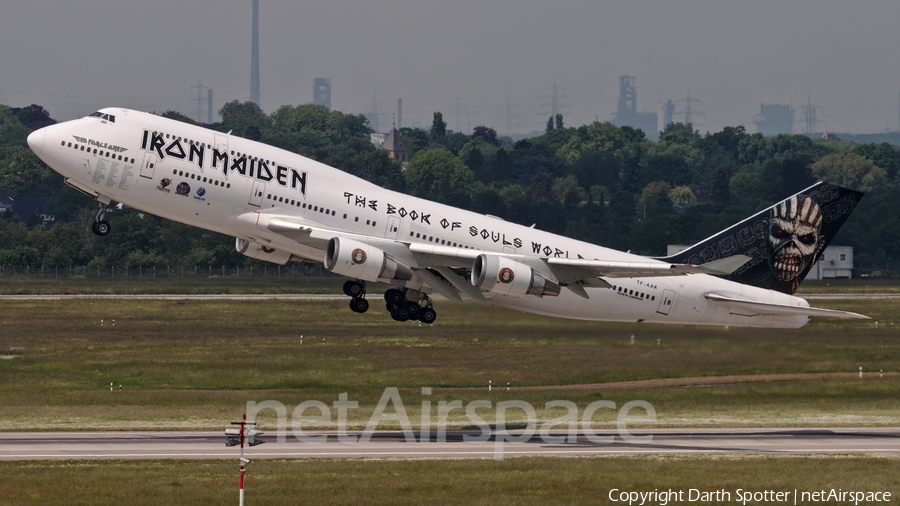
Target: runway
pixel 325 296
pixel 389 444
pixel 175 296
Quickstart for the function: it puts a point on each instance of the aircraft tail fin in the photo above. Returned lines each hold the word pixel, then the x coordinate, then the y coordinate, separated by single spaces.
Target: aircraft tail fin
pixel 783 241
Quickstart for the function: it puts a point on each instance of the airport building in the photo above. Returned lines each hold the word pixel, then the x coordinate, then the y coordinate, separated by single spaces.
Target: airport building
pixel 834 262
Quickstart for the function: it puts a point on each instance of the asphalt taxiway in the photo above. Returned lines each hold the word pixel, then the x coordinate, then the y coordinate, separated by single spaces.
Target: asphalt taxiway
pixel 390 444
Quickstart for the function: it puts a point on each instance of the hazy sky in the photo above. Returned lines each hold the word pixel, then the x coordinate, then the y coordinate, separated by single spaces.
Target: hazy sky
pixel 76 56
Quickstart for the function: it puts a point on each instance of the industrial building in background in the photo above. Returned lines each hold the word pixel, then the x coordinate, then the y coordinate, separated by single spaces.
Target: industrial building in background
pixel 626 110
pixel 774 119
pixel 322 91
pixel 254 56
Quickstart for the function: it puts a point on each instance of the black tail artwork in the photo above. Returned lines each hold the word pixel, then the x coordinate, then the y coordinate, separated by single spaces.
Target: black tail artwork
pixel 783 241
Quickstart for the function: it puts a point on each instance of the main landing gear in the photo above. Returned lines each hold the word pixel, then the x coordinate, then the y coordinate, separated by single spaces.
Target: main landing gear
pixel 401 308
pixel 100 226
pixel 357 291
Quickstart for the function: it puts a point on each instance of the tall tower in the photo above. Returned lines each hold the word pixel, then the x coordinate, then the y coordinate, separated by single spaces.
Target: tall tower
pixel 322 91
pixel 202 103
pixel 254 56
pixel 627 103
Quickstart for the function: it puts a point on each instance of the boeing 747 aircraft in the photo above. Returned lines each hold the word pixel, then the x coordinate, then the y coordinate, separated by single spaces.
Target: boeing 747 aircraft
pixel 283 207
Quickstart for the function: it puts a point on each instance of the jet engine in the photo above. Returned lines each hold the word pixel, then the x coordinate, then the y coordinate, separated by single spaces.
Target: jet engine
pixel 358 260
pixel 260 252
pixel 503 276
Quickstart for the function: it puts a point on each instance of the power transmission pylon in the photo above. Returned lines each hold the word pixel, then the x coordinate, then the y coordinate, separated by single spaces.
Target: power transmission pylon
pixel 808 115
pixel 508 116
pixel 688 112
pixel 556 104
pixel 201 101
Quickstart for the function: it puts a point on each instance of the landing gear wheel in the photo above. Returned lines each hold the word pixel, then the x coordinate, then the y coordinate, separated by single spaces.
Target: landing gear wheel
pixel 100 228
pixel 394 296
pixel 401 314
pixel 358 305
pixel 354 288
pixel 412 308
pixel 427 316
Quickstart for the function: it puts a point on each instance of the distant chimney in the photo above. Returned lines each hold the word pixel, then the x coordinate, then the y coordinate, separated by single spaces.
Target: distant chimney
pixel 254 56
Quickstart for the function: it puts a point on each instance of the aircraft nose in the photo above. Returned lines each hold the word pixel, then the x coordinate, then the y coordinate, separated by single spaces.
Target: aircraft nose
pixel 36 141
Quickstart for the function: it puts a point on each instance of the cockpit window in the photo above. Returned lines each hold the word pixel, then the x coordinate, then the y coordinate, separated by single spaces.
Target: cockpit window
pixel 104 116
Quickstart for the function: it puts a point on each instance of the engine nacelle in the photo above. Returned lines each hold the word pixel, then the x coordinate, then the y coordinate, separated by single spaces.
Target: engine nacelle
pixel 359 260
pixel 260 252
pixel 500 275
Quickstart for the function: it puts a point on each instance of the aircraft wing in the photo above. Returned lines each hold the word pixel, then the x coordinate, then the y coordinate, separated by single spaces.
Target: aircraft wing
pixel 425 258
pixel 748 307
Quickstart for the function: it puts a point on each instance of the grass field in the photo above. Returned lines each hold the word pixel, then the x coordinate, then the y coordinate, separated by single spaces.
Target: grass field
pixel 195 364
pixel 49 285
pixel 270 283
pixel 470 482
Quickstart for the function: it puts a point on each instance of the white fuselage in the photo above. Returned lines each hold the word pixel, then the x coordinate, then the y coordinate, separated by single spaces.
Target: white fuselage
pixel 128 159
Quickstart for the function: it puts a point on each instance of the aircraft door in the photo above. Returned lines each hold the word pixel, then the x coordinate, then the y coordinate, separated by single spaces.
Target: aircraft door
pixel 148 166
pixel 256 195
pixel 393 228
pixel 666 302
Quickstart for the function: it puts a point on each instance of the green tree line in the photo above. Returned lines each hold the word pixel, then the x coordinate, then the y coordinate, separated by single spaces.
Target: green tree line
pixel 600 183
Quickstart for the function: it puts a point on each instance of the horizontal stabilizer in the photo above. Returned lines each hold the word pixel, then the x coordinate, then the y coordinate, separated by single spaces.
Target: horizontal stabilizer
pixel 615 269
pixel 724 266
pixel 755 308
